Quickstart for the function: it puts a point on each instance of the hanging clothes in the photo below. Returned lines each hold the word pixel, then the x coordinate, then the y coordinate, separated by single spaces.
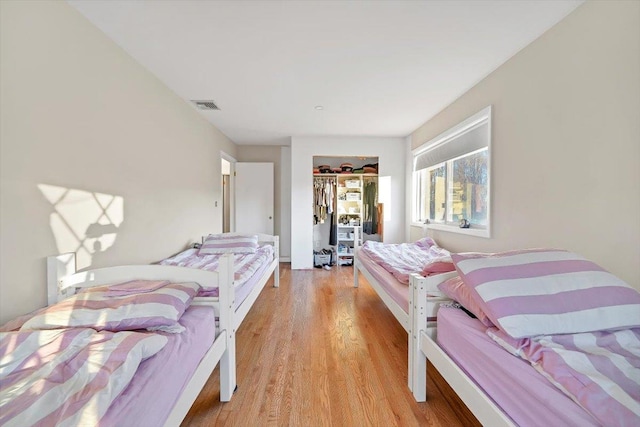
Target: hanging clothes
pixel 323 198
pixel 370 208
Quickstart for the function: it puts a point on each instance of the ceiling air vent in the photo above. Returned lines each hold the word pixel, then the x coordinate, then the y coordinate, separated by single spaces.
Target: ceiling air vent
pixel 206 105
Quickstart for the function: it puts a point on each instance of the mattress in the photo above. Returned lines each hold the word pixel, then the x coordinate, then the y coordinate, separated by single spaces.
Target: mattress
pixel 243 291
pixel 159 381
pixel 399 292
pixel 514 385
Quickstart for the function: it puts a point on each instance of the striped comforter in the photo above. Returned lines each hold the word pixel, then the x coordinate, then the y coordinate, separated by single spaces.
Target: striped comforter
pixel 67 377
pixel 599 370
pixel 403 259
pixel 245 265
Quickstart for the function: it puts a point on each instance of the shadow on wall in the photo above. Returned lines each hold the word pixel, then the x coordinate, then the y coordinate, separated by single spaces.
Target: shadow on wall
pixel 83 222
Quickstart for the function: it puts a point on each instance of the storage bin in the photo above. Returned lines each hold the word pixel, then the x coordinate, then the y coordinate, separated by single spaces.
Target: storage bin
pixel 321 259
pixel 352 183
pixel 353 197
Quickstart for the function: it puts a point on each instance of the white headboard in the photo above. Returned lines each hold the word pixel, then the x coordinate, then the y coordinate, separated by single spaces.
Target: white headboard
pixel 63 279
pixel 58 266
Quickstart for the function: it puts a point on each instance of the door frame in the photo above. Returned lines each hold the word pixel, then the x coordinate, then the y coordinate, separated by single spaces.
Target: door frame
pixel 232 189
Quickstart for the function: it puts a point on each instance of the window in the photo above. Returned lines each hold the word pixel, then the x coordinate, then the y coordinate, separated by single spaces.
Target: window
pixel 451 178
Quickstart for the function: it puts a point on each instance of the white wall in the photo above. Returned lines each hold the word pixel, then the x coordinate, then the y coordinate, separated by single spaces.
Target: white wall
pixel 96 154
pixel 285 204
pixel 566 141
pixel 391 153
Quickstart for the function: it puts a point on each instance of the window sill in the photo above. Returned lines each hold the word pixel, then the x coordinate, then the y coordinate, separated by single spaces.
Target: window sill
pixel 477 232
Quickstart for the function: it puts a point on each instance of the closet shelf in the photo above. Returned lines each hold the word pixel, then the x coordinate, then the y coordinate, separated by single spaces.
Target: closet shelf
pixel 349 206
pixel 354 175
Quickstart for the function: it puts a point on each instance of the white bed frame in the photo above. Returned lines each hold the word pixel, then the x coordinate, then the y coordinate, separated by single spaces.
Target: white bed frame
pixel 63 281
pixel 424 300
pixel 274 267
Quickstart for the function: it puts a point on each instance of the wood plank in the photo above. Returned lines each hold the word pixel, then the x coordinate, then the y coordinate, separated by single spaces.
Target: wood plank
pixel 317 351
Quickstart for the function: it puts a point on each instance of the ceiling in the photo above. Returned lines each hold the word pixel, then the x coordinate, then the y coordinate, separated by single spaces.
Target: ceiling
pixel 378 68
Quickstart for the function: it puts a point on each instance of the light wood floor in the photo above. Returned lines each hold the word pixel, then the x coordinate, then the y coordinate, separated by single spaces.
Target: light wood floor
pixel 318 352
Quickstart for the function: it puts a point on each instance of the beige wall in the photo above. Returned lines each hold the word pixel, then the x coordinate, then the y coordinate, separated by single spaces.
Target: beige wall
pixel 566 141
pixel 86 128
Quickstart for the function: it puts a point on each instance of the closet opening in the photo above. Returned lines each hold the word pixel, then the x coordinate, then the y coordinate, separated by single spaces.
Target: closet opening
pixel 347 211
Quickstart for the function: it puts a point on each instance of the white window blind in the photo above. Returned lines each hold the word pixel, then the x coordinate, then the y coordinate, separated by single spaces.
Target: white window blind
pixel 468 140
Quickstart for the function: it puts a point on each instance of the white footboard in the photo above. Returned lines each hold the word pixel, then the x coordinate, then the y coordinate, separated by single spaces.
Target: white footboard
pixel 424 300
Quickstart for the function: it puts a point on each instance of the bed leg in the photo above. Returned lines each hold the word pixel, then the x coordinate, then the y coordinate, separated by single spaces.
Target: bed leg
pixel 419 374
pixel 276 272
pixel 228 370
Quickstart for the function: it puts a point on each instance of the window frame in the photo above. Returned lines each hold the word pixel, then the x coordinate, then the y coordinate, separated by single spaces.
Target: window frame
pixel 447 137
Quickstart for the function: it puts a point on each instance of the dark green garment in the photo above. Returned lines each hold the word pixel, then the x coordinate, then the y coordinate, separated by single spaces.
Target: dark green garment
pixel 370 208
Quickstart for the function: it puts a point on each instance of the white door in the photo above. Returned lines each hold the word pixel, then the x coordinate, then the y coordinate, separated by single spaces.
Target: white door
pixel 254 197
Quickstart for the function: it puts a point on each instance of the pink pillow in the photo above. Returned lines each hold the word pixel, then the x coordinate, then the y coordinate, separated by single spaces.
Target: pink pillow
pixel 455 289
pixel 426 242
pixel 217 244
pixel 437 266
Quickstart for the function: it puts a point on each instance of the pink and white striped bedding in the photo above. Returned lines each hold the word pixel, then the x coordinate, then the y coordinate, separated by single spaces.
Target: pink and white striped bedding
pixel 245 265
pixel 575 323
pixel 399 292
pixel 161 379
pixel 67 377
pixel 600 371
pixel 528 398
pixel 423 256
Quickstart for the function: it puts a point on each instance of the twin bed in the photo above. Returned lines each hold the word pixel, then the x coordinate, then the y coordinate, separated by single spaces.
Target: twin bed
pixel 499 388
pixel 87 358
